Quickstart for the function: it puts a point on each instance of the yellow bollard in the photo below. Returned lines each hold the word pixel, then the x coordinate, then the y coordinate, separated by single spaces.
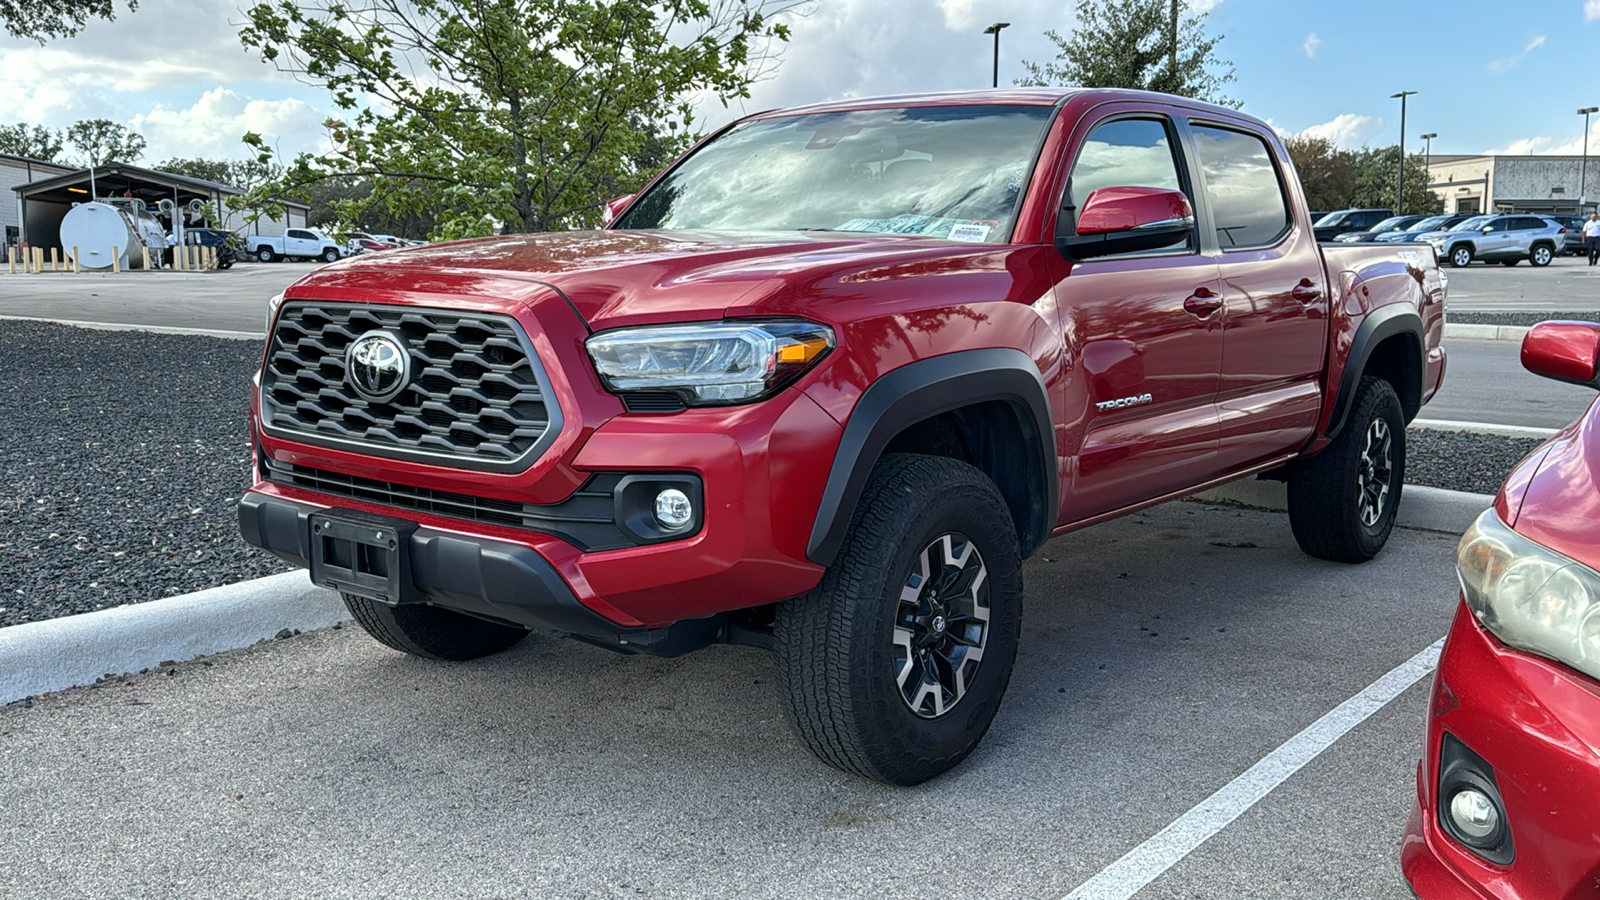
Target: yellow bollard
pixel 75 269
pixel 144 258
pixel 211 257
pixel 38 260
pixel 116 259
pixel 54 266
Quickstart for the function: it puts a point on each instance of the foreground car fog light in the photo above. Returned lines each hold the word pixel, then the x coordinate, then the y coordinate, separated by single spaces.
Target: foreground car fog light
pixel 673 509
pixel 1474 813
pixel 1470 807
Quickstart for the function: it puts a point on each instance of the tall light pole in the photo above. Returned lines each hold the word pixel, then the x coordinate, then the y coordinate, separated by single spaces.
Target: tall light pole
pixel 1400 201
pixel 1583 172
pixel 1427 159
pixel 995 30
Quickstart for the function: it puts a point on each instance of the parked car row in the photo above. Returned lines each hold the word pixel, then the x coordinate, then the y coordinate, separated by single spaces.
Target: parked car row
pixel 1463 238
pixel 362 242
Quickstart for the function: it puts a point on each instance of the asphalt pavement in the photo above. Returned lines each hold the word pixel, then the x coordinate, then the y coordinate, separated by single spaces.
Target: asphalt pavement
pixel 1163 654
pixel 231 300
pixel 1568 283
pixel 1485 382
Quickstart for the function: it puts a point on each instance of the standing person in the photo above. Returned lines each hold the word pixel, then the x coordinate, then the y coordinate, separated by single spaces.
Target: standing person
pixel 1591 237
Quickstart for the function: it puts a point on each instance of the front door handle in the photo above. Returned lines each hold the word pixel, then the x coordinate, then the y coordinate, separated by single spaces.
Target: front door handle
pixel 1306 291
pixel 1203 303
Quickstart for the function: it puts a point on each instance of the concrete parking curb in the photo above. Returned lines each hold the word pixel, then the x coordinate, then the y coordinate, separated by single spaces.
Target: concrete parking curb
pixel 37 657
pixel 149 329
pixel 1425 508
pixel 1521 431
pixel 1464 332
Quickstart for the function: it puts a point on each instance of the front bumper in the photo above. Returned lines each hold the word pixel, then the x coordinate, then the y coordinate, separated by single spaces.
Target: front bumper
pixel 1538 724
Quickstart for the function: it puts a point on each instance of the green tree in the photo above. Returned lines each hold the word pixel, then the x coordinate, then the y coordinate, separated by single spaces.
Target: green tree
pixel 43 19
pixel 1134 44
pixel 521 115
pixel 1378 178
pixel 101 141
pixel 31 141
pixel 1327 173
pixel 205 169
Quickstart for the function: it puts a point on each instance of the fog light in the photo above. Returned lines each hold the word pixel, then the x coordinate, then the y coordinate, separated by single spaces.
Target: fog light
pixel 1474 813
pixel 673 509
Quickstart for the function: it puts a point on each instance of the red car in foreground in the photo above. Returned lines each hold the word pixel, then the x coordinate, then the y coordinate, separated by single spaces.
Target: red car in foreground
pixel 1508 790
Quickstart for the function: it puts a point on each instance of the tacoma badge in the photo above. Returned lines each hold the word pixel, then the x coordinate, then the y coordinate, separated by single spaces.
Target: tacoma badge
pixel 1124 403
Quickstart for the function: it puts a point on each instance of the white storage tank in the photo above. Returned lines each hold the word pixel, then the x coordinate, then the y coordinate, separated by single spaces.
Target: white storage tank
pixel 96 228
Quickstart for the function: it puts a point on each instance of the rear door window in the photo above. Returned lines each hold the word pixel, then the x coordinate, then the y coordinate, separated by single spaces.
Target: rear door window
pixel 1242 187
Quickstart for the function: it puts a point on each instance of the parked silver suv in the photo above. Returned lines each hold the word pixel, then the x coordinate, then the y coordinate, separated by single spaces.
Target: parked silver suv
pixel 1506 239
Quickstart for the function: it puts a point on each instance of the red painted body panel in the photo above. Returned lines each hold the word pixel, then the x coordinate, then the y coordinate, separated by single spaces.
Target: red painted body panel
pixel 1538 724
pixel 1535 721
pixel 1565 351
pixel 1236 381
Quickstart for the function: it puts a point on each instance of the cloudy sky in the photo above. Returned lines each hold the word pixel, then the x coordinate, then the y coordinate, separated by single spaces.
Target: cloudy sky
pixel 1486 81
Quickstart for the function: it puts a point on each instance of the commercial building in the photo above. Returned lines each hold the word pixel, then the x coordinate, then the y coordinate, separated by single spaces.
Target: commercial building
pixel 1532 184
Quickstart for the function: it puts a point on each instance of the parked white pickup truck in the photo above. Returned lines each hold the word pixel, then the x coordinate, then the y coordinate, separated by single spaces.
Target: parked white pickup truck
pixel 296 243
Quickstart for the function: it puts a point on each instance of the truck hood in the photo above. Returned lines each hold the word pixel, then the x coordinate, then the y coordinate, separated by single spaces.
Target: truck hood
pixel 633 277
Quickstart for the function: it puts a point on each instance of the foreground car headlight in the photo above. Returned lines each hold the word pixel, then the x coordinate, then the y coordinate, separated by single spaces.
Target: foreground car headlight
pixel 272 310
pixel 712 363
pixel 1530 596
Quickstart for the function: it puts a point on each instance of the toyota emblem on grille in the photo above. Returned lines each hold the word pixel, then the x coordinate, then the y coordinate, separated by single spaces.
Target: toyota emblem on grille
pixel 378 366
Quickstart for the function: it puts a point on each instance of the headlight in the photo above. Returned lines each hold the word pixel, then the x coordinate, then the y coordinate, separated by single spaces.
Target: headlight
pixel 1530 596
pixel 712 363
pixel 272 310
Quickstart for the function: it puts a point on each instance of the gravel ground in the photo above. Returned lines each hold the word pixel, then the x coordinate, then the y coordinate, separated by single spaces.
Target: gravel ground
pixel 1462 461
pixel 1517 319
pixel 123 455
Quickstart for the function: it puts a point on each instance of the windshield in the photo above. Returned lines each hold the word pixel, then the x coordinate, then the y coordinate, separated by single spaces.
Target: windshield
pixel 1474 223
pixel 1429 223
pixel 1332 218
pixel 1389 224
pixel 953 172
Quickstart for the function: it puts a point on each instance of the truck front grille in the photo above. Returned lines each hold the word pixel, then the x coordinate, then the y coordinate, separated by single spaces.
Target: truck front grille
pixel 477 397
pixel 587 519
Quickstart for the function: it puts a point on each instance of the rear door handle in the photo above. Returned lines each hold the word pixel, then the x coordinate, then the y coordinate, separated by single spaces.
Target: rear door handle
pixel 1202 303
pixel 1306 291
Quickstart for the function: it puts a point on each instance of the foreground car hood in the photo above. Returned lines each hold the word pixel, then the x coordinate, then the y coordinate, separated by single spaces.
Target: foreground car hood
pixel 1561 506
pixel 615 278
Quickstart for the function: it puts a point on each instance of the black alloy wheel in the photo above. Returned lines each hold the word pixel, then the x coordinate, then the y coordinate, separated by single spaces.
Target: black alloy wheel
pixel 942 626
pixel 1343 501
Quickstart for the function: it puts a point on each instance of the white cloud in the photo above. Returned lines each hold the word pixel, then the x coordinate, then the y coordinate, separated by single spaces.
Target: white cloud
pixel 213 125
pixel 1501 66
pixel 1204 6
pixel 1591 10
pixel 961 15
pixel 1570 145
pixel 1347 130
pixel 1313 44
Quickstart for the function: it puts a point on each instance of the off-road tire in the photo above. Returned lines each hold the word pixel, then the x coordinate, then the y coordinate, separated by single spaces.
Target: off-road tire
pixel 431 631
pixel 1325 493
pixel 265 254
pixel 1541 255
pixel 836 652
pixel 330 255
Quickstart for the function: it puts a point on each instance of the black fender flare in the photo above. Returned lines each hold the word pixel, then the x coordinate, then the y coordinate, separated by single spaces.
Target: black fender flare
pixel 922 390
pixel 1379 325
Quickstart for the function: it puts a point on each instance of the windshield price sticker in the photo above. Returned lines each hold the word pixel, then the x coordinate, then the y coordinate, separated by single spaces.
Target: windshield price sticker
pixel 974 232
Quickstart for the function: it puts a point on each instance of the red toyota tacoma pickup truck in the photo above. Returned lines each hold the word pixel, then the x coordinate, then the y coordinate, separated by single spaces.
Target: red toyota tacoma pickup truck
pixel 826 382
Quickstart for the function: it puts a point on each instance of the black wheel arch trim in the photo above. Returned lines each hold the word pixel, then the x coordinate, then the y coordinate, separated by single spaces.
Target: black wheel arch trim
pixel 922 390
pixel 1379 325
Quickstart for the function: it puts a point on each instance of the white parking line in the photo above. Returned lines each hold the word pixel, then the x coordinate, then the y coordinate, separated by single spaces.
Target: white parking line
pixel 1145 863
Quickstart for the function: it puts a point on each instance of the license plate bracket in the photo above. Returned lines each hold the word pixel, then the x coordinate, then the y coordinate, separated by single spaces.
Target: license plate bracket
pixel 362 553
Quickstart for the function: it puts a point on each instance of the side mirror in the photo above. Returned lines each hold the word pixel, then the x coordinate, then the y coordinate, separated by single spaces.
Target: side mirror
pixel 1127 220
pixel 1486 229
pixel 614 209
pixel 1565 351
